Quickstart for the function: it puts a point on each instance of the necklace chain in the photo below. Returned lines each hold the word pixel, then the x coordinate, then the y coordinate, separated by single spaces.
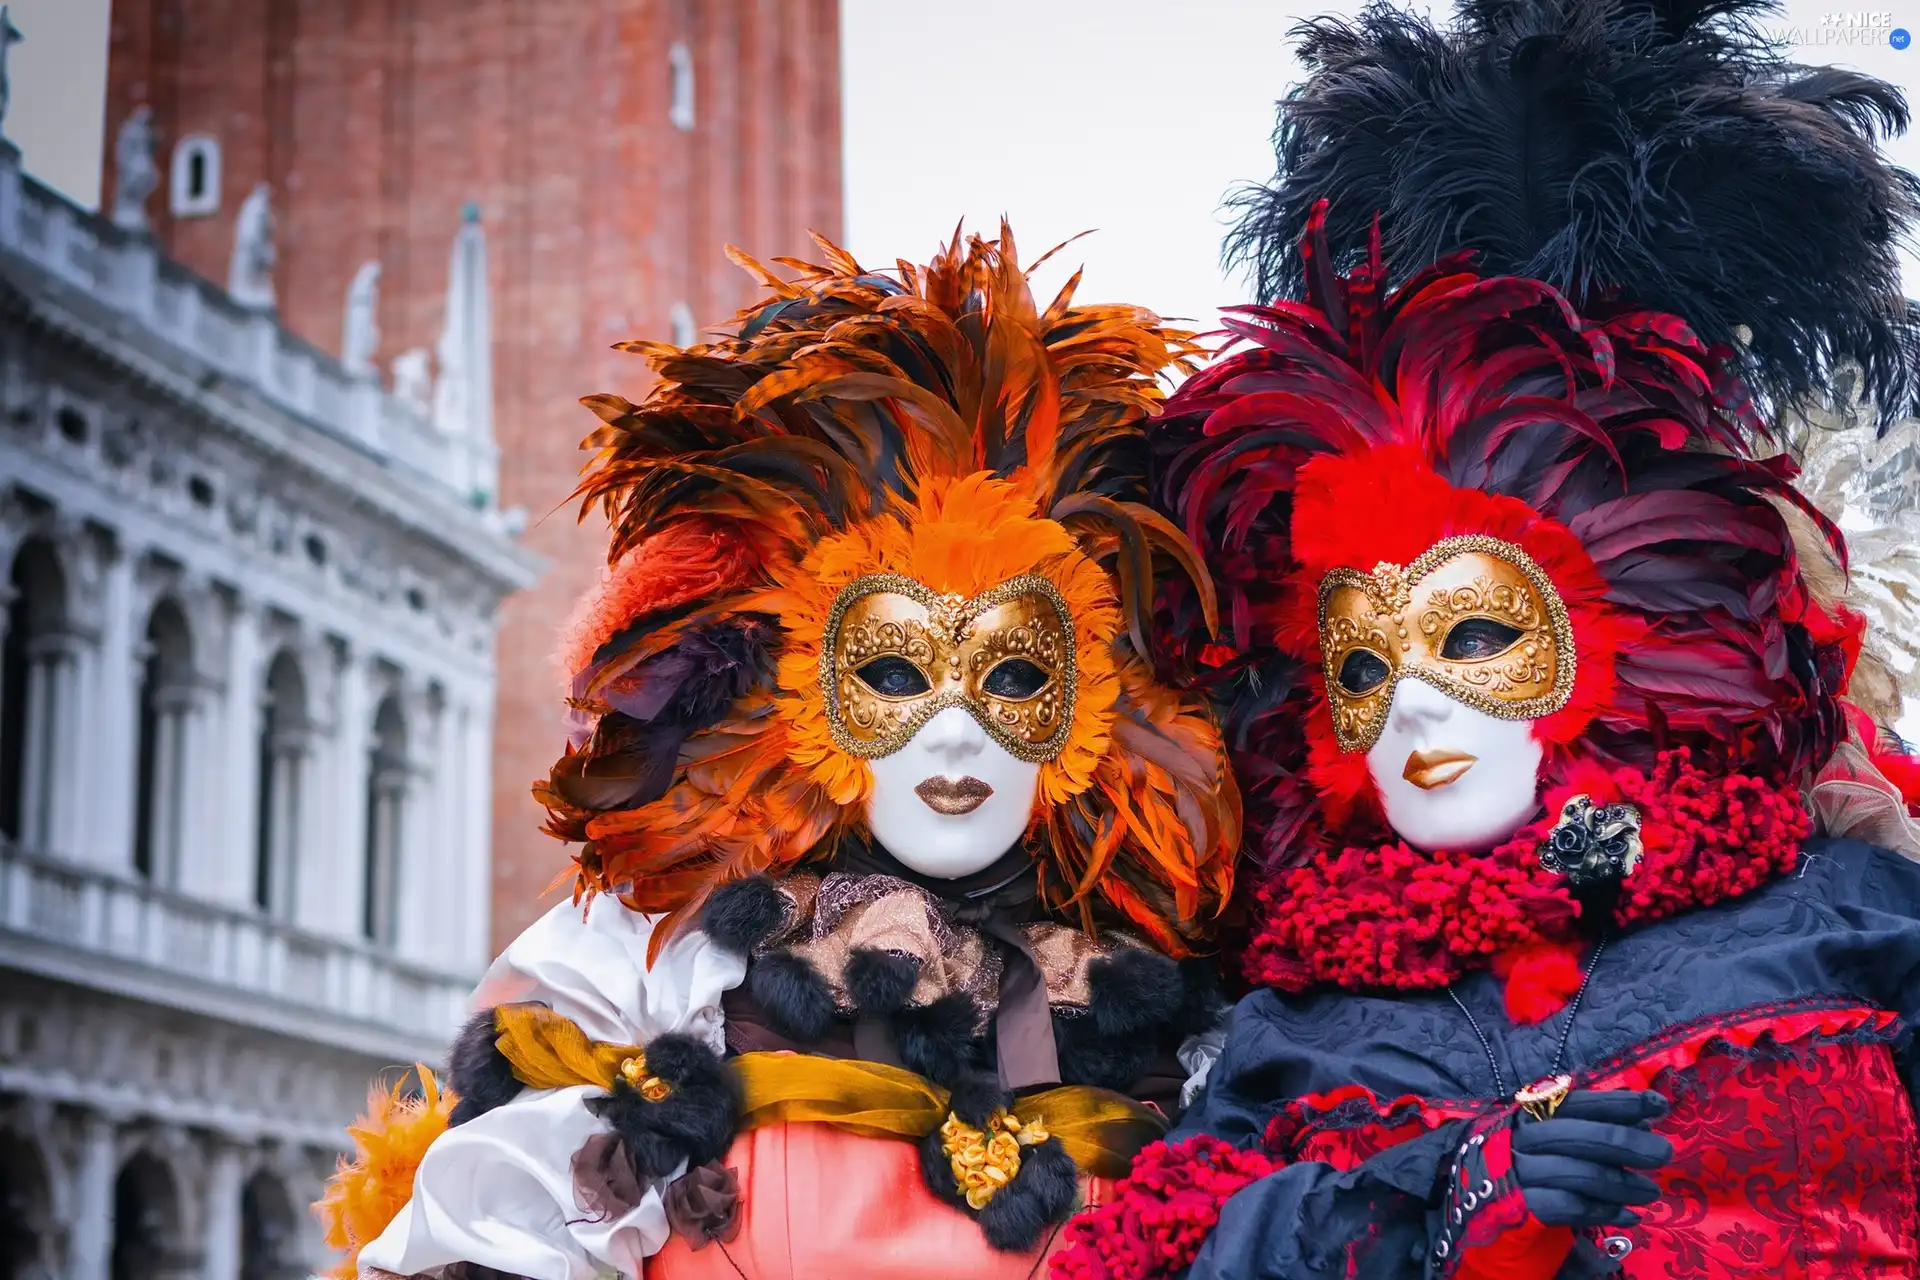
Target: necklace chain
pixel 1566 1030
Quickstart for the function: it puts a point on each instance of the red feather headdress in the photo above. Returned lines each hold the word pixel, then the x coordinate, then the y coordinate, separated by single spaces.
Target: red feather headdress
pixel 1363 425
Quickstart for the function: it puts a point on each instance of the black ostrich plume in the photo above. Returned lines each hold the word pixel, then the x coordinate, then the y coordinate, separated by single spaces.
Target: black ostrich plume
pixel 1654 154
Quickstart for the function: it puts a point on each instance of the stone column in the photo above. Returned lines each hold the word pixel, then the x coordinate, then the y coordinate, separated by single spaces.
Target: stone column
pixel 66 789
pixel 91 1227
pixel 51 743
pixel 221 1247
pixel 112 722
pixel 7 594
pixel 166 809
pixel 417 838
pixel 446 831
pixel 477 855
pixel 235 761
pixel 287 863
pixel 350 756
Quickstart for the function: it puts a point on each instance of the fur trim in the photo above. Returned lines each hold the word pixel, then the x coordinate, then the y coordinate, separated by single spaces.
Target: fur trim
pixel 1540 980
pixel 478 1074
pixel 1388 916
pixel 881 982
pixel 1161 1213
pixel 936 1040
pixel 1134 991
pixel 1042 1195
pixel 694 1123
pixel 795 1000
pixel 742 915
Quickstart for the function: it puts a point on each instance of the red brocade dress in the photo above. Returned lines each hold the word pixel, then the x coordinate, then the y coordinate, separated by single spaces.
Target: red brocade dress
pixel 1776 1026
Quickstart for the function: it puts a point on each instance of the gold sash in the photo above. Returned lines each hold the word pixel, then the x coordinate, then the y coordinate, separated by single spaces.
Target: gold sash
pixel 1102 1131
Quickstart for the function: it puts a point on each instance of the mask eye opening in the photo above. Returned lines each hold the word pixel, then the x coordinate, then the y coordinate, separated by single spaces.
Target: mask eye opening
pixel 1016 680
pixel 893 678
pixel 1363 671
pixel 1479 639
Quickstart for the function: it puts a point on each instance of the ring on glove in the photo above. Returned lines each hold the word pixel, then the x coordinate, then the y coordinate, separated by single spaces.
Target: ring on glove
pixel 1543 1097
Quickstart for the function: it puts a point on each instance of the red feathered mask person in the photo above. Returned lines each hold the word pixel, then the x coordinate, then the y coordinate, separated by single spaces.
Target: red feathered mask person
pixel 1580 934
pixel 1485 558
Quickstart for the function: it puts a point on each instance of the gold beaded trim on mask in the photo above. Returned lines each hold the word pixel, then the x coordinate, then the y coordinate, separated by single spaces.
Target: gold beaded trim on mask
pixel 953 613
pixel 1390 586
pixel 983 1161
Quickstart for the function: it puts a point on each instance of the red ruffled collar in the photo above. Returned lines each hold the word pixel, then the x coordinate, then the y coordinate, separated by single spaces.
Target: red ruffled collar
pixel 1392 917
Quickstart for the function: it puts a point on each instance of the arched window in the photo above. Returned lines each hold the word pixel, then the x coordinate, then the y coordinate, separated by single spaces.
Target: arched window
pixel 37 690
pixel 680 104
pixel 386 821
pixel 268 1226
pixel 193 181
pixel 166 702
pixel 284 742
pixel 26 1209
pixel 146 1219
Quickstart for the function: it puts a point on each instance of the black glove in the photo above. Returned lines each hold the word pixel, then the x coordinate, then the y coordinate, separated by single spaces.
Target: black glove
pixel 1572 1169
pixel 1576 1168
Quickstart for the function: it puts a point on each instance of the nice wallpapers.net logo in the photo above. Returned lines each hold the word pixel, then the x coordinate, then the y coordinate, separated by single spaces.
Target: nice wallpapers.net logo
pixel 1857 28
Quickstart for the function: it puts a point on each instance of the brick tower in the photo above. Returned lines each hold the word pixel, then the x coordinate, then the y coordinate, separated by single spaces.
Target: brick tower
pixel 612 148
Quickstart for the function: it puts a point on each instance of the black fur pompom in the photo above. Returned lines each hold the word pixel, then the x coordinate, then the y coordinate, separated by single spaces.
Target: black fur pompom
pixel 1654 153
pixel 477 1072
pixel 741 915
pixel 793 997
pixel 695 1122
pixel 1042 1195
pixel 1134 990
pixel 936 1040
pixel 880 982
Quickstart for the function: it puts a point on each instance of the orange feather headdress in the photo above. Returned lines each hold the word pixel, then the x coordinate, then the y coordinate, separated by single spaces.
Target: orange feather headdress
pixel 941 426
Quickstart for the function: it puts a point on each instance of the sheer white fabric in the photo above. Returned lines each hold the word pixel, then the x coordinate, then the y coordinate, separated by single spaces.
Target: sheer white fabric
pixel 498 1190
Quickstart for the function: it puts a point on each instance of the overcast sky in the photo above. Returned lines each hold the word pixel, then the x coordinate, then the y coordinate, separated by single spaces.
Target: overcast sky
pixel 1130 119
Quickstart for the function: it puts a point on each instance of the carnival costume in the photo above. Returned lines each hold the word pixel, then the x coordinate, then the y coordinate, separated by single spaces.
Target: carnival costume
pixel 1582 915
pixel 892 858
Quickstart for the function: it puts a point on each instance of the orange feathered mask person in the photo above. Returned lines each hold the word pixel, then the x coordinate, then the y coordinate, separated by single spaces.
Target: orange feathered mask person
pixel 866 468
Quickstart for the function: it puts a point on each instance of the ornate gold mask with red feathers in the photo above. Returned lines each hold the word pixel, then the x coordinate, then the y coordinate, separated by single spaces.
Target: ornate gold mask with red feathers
pixel 929 470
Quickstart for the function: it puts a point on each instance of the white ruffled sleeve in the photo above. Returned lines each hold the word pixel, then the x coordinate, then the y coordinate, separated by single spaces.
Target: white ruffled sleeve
pixel 499 1189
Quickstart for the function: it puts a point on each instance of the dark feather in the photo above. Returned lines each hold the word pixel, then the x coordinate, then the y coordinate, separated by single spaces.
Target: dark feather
pixel 1657 153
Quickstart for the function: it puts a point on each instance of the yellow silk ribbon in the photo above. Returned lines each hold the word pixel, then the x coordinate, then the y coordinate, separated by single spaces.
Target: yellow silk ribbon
pixel 548 1051
pixel 1102 1131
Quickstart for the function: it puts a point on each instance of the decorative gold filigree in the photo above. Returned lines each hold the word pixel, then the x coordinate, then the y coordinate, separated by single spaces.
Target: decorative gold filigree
pixel 956 644
pixel 1474 575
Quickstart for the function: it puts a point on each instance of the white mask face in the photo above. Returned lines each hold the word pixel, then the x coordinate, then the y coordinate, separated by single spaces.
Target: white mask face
pixel 952 800
pixel 1451 777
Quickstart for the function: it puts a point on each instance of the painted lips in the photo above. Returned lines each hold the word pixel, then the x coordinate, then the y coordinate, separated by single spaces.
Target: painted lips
pixel 1430 770
pixel 953 796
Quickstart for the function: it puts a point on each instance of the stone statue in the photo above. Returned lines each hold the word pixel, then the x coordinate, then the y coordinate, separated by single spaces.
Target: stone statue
pixel 9 37
pixel 463 392
pixel 413 380
pixel 360 333
pixel 250 276
pixel 135 176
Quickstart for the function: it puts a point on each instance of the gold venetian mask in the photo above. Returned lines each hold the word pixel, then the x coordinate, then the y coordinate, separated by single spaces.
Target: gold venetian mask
pixel 896 654
pixel 1475 617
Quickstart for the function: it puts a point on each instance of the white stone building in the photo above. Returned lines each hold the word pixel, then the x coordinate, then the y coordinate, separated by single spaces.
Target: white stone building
pixel 245 740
